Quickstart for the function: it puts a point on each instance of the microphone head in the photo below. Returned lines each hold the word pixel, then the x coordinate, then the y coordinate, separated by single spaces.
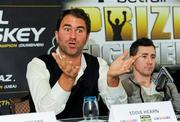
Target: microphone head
pixel 163 77
pixel 161 83
pixel 163 71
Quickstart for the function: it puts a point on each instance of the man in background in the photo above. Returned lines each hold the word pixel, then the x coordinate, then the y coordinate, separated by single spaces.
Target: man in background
pixel 140 86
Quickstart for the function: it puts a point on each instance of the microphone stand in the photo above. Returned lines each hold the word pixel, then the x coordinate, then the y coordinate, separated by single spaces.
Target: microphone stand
pixel 166 96
pixel 163 89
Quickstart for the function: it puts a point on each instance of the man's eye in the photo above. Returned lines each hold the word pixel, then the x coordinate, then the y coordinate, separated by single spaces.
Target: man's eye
pixel 67 29
pixel 79 30
pixel 144 56
pixel 153 57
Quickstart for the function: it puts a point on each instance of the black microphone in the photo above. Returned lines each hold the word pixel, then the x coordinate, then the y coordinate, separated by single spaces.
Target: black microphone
pixel 161 83
pixel 162 79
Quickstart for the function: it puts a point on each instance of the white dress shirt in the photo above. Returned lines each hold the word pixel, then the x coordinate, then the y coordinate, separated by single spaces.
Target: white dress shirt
pixel 54 99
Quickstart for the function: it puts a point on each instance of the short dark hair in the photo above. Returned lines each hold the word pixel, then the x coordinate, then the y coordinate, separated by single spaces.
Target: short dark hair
pixel 76 12
pixel 140 42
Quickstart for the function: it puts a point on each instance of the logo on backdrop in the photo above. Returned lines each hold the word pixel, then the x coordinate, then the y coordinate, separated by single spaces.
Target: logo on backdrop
pixel 19 37
pixel 53 47
pixel 116 24
pixel 129 22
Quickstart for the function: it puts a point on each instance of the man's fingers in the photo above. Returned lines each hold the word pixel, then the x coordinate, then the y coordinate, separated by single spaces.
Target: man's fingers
pixel 137 56
pixel 54 55
pixel 60 60
pixel 69 67
pixel 75 70
pixel 65 65
pixel 72 71
pixel 123 56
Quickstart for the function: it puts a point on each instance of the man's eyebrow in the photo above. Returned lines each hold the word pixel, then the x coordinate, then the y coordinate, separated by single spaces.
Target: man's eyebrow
pixel 147 54
pixel 144 53
pixel 71 26
pixel 66 25
pixel 81 27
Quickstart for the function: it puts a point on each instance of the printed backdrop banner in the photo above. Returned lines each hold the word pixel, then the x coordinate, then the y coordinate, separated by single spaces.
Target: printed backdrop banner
pixel 116 23
pixel 26 31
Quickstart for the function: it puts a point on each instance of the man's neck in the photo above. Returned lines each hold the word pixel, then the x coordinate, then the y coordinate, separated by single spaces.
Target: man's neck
pixel 142 80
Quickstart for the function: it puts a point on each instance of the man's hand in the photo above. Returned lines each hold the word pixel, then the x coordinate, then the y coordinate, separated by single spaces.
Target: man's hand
pixel 120 66
pixel 70 71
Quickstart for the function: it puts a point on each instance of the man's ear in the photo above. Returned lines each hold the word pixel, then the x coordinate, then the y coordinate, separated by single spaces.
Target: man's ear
pixel 56 36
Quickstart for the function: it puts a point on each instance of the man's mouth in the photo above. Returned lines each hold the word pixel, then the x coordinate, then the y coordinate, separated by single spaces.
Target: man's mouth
pixel 72 45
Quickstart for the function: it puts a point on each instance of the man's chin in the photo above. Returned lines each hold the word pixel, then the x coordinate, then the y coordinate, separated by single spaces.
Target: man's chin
pixel 148 73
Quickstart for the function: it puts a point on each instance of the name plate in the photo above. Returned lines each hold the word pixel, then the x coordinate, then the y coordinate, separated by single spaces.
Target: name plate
pixel 143 112
pixel 29 117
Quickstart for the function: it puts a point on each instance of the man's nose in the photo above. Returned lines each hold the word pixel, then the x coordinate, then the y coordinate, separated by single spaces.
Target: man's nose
pixel 73 33
pixel 149 60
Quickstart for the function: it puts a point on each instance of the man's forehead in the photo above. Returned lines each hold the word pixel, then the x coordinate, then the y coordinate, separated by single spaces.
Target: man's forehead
pixel 71 18
pixel 146 49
